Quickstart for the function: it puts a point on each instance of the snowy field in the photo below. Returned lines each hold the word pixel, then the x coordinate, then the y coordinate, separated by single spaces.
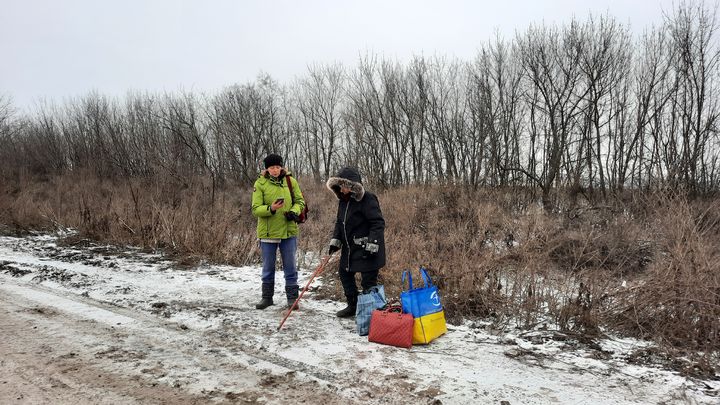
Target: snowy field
pixel 159 330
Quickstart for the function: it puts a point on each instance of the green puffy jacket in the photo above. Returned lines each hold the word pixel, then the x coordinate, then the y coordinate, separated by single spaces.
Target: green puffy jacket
pixel 268 189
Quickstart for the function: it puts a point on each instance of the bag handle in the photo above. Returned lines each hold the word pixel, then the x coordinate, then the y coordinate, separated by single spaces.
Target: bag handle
pixel 426 277
pixel 427 281
pixel 392 308
pixel 406 273
pixel 388 309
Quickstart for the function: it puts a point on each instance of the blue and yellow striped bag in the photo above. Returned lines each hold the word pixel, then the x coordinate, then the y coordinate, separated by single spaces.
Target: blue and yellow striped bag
pixel 424 305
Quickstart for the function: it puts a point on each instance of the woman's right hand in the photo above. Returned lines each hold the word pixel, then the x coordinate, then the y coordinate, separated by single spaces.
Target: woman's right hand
pixel 276 205
pixel 335 245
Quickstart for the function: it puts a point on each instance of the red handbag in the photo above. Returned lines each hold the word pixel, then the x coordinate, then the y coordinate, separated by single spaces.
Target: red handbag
pixel 390 326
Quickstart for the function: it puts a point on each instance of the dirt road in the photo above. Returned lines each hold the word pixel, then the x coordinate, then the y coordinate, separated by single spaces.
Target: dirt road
pixel 83 326
pixel 97 324
pixel 49 357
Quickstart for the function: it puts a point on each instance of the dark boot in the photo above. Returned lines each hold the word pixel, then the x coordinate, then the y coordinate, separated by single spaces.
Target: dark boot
pixel 350 309
pixel 267 296
pixel 291 292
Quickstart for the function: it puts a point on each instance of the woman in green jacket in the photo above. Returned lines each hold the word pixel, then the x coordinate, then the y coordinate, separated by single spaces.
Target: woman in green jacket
pixel 277 212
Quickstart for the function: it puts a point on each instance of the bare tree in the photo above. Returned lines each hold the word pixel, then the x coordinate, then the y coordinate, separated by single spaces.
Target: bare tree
pixel 649 97
pixel 603 64
pixel 496 111
pixel 581 106
pixel 320 103
pixel 551 62
pixel 247 119
pixel 8 130
pixel 693 32
pixel 413 102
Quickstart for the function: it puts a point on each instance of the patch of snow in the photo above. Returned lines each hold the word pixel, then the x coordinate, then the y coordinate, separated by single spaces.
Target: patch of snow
pixel 215 305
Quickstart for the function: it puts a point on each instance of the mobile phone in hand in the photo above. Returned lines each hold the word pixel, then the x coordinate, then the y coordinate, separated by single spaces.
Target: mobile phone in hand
pixel 280 200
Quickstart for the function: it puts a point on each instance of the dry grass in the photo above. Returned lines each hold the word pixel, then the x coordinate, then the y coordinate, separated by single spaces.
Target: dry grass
pixel 179 220
pixel 677 300
pixel 646 267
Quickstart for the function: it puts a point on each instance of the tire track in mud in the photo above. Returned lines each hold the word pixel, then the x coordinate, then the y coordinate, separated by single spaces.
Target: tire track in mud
pixel 139 322
pixel 220 337
pixel 38 366
pixel 196 330
pixel 223 354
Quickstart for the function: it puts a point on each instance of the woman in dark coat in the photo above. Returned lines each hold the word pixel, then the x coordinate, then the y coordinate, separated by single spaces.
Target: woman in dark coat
pixel 359 232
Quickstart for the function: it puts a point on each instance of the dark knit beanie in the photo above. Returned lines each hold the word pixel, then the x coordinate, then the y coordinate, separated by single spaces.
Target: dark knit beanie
pixel 349 173
pixel 272 160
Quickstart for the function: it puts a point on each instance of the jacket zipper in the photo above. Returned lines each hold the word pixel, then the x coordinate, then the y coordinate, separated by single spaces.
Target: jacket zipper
pixel 347 207
pixel 267 220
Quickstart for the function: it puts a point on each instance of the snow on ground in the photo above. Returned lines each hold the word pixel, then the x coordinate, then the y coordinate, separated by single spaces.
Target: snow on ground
pixel 210 308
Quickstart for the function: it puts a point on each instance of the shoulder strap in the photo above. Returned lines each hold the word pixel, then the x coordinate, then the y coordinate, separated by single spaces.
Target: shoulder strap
pixel 289 182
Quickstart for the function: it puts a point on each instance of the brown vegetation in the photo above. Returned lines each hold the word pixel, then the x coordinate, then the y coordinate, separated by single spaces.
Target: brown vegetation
pixel 532 181
pixel 647 268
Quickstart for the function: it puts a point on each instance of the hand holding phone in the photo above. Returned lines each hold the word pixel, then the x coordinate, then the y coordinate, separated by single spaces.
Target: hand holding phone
pixel 277 204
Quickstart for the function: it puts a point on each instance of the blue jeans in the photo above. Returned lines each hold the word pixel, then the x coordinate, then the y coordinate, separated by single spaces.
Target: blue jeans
pixel 287 254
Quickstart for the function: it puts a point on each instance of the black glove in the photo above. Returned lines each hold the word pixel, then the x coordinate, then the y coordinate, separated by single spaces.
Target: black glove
pixel 291 216
pixel 335 245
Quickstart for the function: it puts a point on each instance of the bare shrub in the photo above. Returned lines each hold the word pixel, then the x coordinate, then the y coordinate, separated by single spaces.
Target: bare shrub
pixel 605 239
pixel 677 301
pixel 186 222
pixel 647 268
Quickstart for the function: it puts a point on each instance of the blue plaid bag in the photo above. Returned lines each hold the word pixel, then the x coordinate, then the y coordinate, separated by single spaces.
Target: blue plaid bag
pixel 367 302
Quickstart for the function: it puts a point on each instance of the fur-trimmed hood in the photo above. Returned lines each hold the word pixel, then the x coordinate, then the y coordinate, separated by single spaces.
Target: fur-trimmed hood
pixel 350 178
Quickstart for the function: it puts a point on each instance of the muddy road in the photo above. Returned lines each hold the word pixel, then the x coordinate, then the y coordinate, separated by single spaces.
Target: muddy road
pixel 84 323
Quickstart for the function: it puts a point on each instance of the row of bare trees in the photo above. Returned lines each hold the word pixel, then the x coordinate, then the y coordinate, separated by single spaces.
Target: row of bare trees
pixel 586 105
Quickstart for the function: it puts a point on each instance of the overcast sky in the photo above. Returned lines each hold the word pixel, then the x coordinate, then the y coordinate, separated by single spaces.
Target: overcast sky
pixel 55 49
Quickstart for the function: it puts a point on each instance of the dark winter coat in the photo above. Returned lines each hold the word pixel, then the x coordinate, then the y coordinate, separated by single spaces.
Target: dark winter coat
pixel 359 220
